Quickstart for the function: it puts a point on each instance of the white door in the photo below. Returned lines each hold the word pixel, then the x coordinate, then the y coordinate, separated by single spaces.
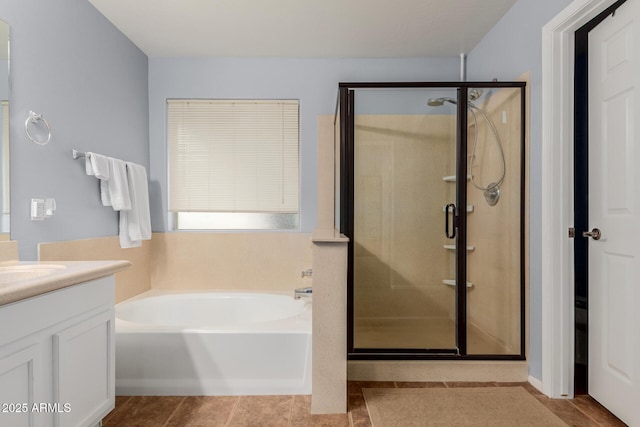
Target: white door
pixel 614 208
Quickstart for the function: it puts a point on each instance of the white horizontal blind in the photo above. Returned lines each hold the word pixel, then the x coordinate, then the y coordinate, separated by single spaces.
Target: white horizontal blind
pixel 233 155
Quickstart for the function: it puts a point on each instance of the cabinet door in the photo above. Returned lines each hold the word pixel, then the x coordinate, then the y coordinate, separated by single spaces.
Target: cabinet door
pixel 84 371
pixel 18 372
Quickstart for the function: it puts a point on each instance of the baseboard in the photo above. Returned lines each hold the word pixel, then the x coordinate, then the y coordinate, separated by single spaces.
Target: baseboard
pixel 536 383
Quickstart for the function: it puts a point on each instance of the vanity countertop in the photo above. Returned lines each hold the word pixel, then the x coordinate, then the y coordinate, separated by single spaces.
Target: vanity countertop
pixel 68 273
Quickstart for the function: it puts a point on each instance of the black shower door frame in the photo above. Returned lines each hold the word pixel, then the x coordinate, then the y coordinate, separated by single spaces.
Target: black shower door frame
pixel 346 102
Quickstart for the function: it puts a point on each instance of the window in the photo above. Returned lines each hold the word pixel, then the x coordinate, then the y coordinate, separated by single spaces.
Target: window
pixel 233 164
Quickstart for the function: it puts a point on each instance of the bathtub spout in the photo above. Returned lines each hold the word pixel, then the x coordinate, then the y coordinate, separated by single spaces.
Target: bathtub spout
pixel 302 292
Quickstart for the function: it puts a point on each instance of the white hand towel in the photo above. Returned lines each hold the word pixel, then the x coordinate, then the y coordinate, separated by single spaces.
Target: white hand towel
pixel 88 166
pixel 135 224
pixel 125 240
pixel 99 164
pixel 104 193
pixel 100 167
pixel 119 185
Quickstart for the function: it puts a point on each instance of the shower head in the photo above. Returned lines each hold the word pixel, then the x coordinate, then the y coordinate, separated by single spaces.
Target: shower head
pixel 437 102
pixel 474 93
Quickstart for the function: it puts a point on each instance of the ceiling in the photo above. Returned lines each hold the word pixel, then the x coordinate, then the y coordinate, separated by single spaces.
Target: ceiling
pixel 304 28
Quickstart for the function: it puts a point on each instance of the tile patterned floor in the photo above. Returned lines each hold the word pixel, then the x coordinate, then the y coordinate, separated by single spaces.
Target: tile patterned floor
pixel 294 411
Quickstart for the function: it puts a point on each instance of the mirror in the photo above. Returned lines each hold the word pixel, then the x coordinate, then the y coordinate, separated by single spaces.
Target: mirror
pixel 4 132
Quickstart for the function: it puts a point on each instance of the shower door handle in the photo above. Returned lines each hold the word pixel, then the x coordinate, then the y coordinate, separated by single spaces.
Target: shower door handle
pixel 451 234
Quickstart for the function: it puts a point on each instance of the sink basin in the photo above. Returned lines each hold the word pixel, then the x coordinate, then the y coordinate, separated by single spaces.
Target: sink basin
pixel 12 273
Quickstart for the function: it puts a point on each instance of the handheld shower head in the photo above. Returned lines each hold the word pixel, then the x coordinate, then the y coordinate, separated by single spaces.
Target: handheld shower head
pixel 437 102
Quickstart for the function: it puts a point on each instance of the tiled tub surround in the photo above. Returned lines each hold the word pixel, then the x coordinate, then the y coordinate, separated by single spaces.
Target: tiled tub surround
pixel 128 283
pixel 213 343
pixel 8 250
pixel 198 261
pixel 229 261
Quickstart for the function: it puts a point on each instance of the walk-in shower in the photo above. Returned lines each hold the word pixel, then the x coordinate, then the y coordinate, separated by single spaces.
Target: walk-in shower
pixel 431 196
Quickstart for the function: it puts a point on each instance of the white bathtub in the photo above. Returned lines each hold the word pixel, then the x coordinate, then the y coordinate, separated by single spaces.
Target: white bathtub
pixel 213 343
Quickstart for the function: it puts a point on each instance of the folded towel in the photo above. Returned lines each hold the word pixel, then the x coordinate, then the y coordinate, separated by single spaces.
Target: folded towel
pixel 135 224
pixel 119 196
pixel 88 166
pixel 99 165
pixel 125 240
pixel 104 193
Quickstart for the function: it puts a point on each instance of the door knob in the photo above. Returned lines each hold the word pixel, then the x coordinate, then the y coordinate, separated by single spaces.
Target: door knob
pixel 594 234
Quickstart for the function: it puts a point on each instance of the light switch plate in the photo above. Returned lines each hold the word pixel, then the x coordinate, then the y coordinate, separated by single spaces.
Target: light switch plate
pixel 37 209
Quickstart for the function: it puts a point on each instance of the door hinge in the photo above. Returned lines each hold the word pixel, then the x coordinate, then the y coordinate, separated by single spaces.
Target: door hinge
pixel 572 232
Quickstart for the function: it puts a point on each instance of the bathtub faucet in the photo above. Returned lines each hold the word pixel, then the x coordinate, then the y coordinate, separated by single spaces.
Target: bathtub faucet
pixel 302 292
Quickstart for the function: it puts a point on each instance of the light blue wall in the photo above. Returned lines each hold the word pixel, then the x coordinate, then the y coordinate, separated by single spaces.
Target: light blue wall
pixel 90 82
pixel 511 48
pixel 4 79
pixel 313 81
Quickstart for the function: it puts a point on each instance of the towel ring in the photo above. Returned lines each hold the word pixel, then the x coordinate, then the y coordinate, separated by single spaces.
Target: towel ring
pixel 35 118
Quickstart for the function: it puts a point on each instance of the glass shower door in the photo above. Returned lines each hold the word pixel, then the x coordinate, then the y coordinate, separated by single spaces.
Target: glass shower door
pixel 404 175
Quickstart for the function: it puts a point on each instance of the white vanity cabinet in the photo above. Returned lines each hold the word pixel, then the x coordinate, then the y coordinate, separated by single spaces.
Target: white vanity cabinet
pixel 57 365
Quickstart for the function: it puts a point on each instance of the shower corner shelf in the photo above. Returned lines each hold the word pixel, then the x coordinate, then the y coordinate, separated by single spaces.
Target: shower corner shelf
pixel 452 178
pixel 452 282
pixel 453 247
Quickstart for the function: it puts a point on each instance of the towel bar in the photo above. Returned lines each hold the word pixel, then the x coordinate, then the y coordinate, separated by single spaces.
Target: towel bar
pixel 77 154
